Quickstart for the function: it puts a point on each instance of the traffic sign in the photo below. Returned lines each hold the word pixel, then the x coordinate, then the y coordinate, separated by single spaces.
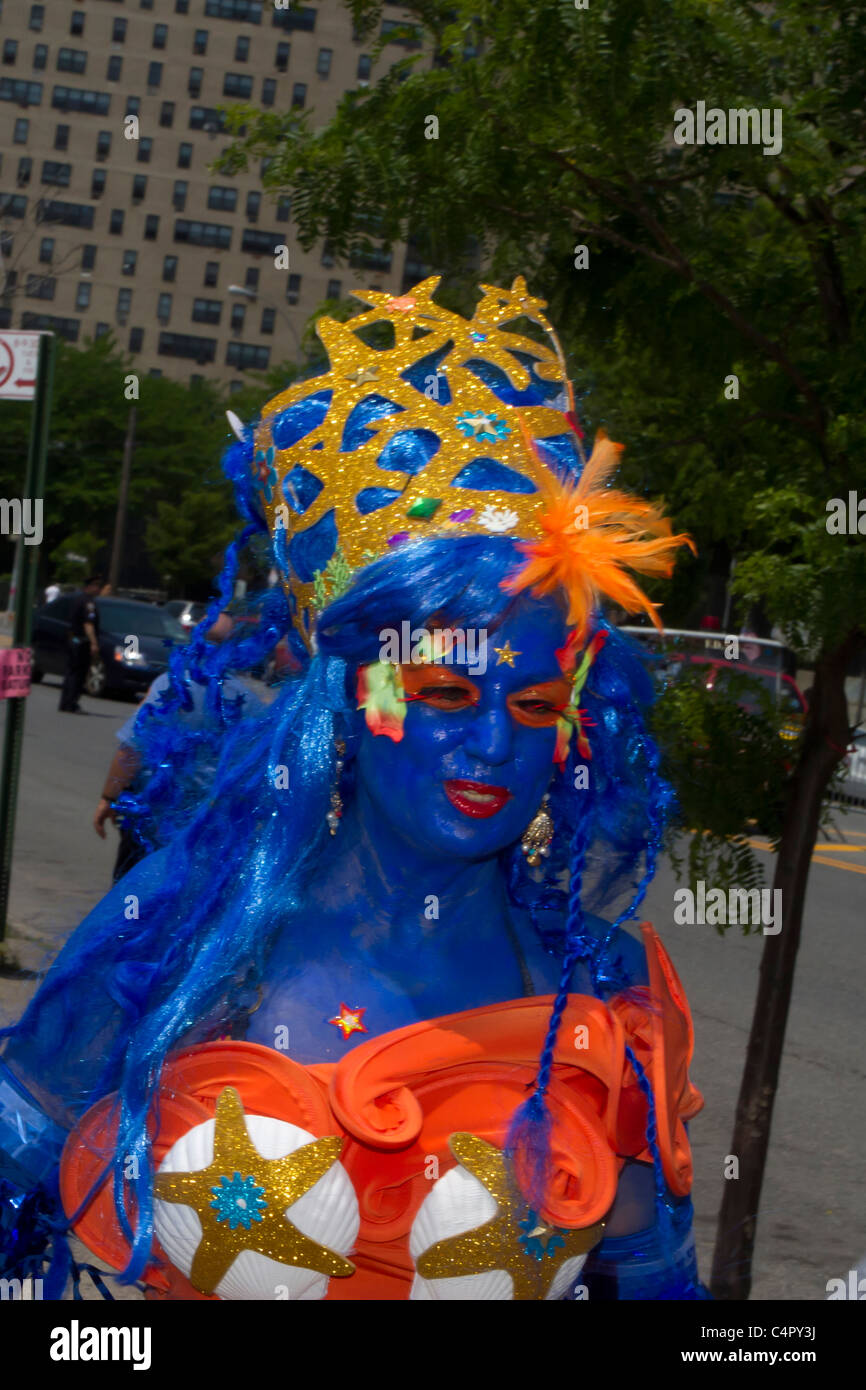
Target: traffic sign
pixel 19 354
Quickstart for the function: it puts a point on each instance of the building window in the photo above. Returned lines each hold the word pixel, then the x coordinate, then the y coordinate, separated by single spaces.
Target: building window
pixel 163 308
pixel 114 69
pixel 211 274
pixel 102 330
pixel 124 304
pixel 335 289
pixel 118 31
pixel 248 357
pixel 40 287
pixel 399 32
pixel 301 18
pixel 151 226
pixel 37 17
pixel 282 56
pixel 293 289
pixel 365 65
pixel 155 371
pixel 64 328
pixel 88 257
pixel 145 149
pixel 145 4
pixel 237 84
pixel 46 250
pixel 180 7
pixel 323 62
pixel 206 118
pixel 160 35
pixel 284 208
pixel 133 106
pixel 52 172
pixel 82 295
pixel 25 169
pixel 10 52
pixel 203 233
pixel 268 317
pixel 222 199
pixel 154 75
pixel 139 187
pixel 269 91
pixel 40 56
pixel 71 60
pixel 242 48
pixel 166 114
pixel 258 243
pixel 136 339
pixel 169 268
pixel 251 279
pixel 181 188
pixel 242 10
pixel 207 310
pixel 22 130
pixel 103 145
pixel 130 259
pixel 193 85
pixel 184 156
pixel 97 183
pixel 115 222
pixel 15 205
pixel 24 93
pixel 254 202
pixel 299 95
pixel 77 99
pixel 199 43
pixel 238 315
pixel 201 350
pixel 67 214
pixel 328 257
pixel 61 137
pixel 76 24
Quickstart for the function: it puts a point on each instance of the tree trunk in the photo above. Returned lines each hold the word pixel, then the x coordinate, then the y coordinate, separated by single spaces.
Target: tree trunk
pixel 824 742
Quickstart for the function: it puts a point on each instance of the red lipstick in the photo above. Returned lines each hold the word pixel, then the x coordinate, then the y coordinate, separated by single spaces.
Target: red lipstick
pixel 476 799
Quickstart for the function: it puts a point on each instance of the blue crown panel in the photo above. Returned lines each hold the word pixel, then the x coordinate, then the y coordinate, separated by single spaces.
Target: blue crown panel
pixel 538 392
pixel 311 550
pixel 370 408
pixel 418 375
pixel 490 474
pixel 301 488
pixel 370 499
pixel 409 451
pixel 299 419
pixel 559 452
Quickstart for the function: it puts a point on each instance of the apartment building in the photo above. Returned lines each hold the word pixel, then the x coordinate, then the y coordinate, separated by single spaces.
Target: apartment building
pixel 109 224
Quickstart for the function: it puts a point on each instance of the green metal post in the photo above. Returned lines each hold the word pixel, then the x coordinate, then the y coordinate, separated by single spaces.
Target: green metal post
pixel 34 488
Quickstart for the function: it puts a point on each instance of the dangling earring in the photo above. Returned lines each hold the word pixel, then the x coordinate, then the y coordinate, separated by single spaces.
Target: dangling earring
pixel 538 835
pixel 336 811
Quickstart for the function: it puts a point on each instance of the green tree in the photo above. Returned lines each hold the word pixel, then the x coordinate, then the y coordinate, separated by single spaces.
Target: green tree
pixel 710 298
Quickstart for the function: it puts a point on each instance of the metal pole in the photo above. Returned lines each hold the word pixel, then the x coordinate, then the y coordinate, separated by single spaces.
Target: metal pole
pixel 34 488
pixel 122 497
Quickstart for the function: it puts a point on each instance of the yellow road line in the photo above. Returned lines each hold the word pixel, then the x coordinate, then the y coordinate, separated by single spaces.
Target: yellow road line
pixel 841 864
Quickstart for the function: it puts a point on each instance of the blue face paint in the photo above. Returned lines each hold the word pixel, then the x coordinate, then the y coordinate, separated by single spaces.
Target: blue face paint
pixel 420 807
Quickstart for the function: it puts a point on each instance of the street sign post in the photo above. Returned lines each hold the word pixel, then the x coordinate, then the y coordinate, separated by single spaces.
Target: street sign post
pixel 26 373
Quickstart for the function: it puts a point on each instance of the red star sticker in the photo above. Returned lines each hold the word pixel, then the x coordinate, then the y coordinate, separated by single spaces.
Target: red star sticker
pixel 404 303
pixel 349 1020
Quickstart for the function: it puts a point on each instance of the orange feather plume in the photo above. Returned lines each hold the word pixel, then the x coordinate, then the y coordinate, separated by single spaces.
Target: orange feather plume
pixel 595 535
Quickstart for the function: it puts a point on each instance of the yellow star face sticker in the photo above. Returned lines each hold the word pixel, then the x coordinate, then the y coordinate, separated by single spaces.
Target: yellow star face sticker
pixel 528 1249
pixel 241 1200
pixel 505 655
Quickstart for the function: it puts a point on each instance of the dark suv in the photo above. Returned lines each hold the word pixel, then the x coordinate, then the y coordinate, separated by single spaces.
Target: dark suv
pixel 132 643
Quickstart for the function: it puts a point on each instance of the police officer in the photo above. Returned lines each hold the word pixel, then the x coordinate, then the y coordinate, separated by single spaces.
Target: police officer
pixel 83 644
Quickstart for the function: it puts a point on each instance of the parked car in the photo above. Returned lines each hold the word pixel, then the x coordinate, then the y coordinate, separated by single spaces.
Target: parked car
pixel 851 789
pixel 133 641
pixel 759 659
pixel 186 610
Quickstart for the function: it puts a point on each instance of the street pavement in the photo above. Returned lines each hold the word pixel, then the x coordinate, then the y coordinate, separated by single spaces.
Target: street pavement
pixel 812 1224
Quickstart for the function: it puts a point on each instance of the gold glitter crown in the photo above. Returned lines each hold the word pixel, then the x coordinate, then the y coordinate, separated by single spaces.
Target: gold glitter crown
pixel 406 442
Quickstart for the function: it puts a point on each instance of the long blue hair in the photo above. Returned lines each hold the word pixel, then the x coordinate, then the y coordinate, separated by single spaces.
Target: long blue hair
pixel 175 953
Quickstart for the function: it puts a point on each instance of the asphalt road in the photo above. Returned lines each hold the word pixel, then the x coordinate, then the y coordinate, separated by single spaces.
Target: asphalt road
pixel 812 1224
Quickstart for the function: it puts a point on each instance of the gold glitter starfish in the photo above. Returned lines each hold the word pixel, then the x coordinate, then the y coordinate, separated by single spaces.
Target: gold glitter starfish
pixel 506 655
pixel 241 1200
pixel 503 1242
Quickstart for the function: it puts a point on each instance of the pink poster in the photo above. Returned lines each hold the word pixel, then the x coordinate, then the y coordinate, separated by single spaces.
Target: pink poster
pixel 14 672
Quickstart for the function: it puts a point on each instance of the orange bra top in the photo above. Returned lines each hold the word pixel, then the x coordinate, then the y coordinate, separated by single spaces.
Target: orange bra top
pixel 397 1099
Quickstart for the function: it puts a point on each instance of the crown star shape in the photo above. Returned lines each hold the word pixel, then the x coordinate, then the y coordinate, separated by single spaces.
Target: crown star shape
pixel 241 1200
pixel 501 1242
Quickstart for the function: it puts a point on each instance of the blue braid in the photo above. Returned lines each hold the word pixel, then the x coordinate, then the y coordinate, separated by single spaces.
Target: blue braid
pixel 664 1207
